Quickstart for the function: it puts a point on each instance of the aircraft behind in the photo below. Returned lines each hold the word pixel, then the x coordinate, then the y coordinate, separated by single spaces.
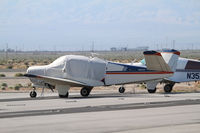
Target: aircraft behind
pixel 187 70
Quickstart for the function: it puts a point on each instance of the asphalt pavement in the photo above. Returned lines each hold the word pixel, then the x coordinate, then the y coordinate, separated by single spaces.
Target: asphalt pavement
pixel 100 112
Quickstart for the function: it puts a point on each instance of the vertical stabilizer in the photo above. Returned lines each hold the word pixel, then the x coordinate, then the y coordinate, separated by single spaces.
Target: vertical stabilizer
pixel 171 57
pixel 155 61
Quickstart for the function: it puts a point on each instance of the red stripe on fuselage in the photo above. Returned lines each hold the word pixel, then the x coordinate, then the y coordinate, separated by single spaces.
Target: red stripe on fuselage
pixel 39 77
pixel 139 72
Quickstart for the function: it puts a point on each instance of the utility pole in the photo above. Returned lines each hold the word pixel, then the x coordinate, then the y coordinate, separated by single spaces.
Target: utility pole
pixel 16 50
pixel 54 50
pixel 92 46
pixel 192 46
pixel 166 42
pixel 6 51
pixel 173 44
pixel 23 48
pixel 82 48
pixel 157 47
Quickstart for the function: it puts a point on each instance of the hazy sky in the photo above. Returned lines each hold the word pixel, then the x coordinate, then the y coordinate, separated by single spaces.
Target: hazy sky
pixel 75 24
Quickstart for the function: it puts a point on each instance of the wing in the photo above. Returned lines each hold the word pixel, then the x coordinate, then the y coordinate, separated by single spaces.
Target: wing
pixel 61 81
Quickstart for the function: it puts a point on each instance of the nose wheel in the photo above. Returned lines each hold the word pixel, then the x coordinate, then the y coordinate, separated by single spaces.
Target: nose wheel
pixel 121 89
pixel 33 93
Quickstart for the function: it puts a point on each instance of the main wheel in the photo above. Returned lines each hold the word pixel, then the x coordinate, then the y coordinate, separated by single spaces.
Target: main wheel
pixel 168 88
pixel 85 91
pixel 64 96
pixel 33 94
pixel 152 91
pixel 121 89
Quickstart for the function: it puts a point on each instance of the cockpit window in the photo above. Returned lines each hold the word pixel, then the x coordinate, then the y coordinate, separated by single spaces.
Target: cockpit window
pixel 143 61
pixel 129 69
pixel 58 62
pixel 133 69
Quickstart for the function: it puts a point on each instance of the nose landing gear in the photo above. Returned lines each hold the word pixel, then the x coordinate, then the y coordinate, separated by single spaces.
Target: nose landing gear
pixel 33 93
pixel 121 89
pixel 168 88
pixel 64 96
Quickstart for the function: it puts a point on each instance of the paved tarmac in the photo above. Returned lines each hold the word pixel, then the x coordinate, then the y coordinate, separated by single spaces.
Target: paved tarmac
pixel 100 112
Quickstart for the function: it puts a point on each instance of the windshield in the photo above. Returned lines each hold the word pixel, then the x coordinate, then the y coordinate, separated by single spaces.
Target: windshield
pixel 58 62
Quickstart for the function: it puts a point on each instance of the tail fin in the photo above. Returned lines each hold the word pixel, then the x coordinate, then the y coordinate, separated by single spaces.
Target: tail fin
pixel 171 57
pixel 164 61
pixel 155 61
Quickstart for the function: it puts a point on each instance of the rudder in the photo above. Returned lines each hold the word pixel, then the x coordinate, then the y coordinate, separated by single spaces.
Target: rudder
pixel 171 57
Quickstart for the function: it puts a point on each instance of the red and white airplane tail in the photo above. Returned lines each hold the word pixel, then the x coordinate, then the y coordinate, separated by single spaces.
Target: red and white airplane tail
pixel 155 61
pixel 171 58
pixel 165 61
pixel 162 61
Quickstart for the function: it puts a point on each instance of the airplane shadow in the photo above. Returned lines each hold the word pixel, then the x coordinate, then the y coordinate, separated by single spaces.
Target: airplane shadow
pixel 92 96
pixel 100 96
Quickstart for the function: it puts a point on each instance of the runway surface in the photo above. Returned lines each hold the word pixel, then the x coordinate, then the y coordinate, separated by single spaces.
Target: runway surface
pixel 100 112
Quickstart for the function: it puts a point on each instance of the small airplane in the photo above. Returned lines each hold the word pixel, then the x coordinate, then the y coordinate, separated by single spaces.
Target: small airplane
pixel 187 70
pixel 80 71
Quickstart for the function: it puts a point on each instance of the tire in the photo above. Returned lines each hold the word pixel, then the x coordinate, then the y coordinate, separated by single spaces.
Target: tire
pixel 152 91
pixel 33 94
pixel 121 89
pixel 85 91
pixel 168 88
pixel 64 96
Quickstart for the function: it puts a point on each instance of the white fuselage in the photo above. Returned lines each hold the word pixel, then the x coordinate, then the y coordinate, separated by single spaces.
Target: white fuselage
pixel 118 73
pixel 93 72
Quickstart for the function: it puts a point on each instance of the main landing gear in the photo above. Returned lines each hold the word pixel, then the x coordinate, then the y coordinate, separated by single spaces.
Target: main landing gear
pixel 85 91
pixel 152 91
pixel 64 96
pixel 168 88
pixel 121 89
